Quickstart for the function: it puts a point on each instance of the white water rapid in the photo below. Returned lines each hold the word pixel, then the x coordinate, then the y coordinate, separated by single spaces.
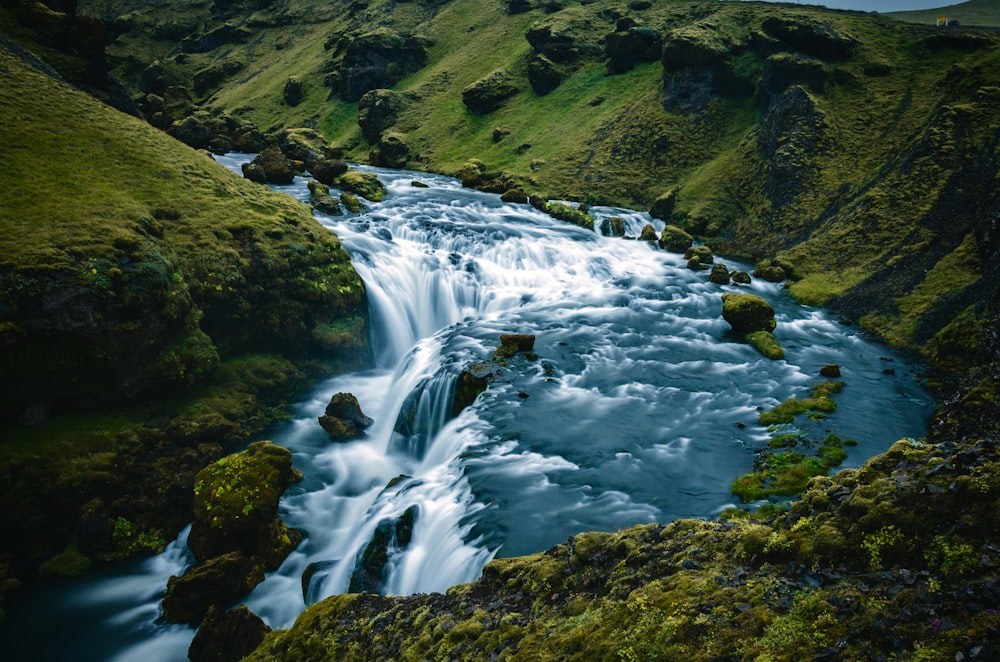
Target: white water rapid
pixel 640 407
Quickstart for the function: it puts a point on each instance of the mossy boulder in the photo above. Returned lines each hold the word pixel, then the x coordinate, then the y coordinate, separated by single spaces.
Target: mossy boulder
pixel 564 37
pixel 702 254
pixel 648 233
pixel 632 45
pixel 322 201
pixel 747 313
pixel 227 636
pixel 393 150
pixel 218 581
pixel 811 36
pixel 675 239
pixel 741 278
pixel 544 75
pixel 774 270
pixel 663 206
pixel 275 166
pixel 488 93
pixel 470 383
pixel 236 502
pixel 343 418
pixel 327 170
pixel 720 274
pixel 377 111
pixel 365 184
pixel 765 343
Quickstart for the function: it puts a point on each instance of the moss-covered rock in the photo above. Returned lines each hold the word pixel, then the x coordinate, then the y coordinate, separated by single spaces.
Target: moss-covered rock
pixel 488 93
pixel 275 166
pixel 393 150
pixel 218 581
pixel 365 184
pixel 720 274
pixel 747 313
pixel 236 502
pixel 675 239
pixel 702 254
pixel 378 110
pixel 378 59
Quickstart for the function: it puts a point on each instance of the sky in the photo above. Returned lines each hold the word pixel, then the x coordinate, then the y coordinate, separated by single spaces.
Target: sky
pixel 877 5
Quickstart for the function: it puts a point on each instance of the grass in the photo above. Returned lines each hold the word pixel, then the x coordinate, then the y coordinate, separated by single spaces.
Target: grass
pixel 984 13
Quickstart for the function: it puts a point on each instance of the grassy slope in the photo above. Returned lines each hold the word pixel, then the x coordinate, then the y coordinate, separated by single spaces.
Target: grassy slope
pixel 86 188
pixel 984 13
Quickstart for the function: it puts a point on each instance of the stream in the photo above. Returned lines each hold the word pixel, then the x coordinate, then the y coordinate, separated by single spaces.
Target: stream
pixel 640 407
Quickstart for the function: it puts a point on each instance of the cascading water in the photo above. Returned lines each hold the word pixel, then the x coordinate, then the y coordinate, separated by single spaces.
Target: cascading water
pixel 640 407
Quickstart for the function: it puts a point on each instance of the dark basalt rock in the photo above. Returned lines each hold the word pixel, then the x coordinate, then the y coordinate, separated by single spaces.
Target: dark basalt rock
pixel 747 313
pixel 391 536
pixel 322 201
pixel 326 170
pixel 791 133
pixel 514 195
pixel 293 91
pixel 559 38
pixel 740 278
pixel 379 59
pixel 783 70
pixel 488 93
pixel 220 580
pixel 703 254
pixel 613 227
pixel 377 111
pixel 209 78
pixel 830 370
pixel 470 384
pixel 648 233
pixel 393 151
pixel 519 6
pixel 227 636
pixel 343 418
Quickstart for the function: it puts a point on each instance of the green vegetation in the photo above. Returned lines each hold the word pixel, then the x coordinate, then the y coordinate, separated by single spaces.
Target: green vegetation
pixel 820 402
pixel 972 13
pixel 786 473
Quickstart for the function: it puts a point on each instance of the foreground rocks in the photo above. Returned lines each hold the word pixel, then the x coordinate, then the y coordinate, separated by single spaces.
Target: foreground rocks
pixel 343 418
pixel 236 534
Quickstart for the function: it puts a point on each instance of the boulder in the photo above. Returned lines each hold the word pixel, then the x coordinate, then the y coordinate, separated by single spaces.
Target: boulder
pixel 254 172
pixel 236 502
pixel 627 48
pixel 830 370
pixel 674 239
pixel 774 270
pixel 720 274
pixel 326 170
pixel 747 313
pixel 247 138
pixel 277 168
pixel 227 636
pixel 293 91
pixel 488 93
pixel 344 419
pixel 648 233
pixel 663 206
pixel 703 254
pixel 220 580
pixel 377 111
pixel 393 150
pixel 302 144
pixel 322 201
pixel 207 79
pixel 740 277
pixel 514 195
pixel 365 184
pixel 694 264
pixel 544 75
pixel 563 37
pixel 614 227
pixel 519 6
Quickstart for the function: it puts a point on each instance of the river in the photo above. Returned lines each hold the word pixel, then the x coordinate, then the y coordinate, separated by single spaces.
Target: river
pixel 640 407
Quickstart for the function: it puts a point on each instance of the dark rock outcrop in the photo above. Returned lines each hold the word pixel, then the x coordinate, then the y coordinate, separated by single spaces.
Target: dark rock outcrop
pixel 379 59
pixel 675 239
pixel 377 111
pixel 293 91
pixel 720 274
pixel 344 419
pixel 627 48
pixel 393 150
pixel 275 166
pixel 218 581
pixel 322 201
pixel 663 206
pixel 811 36
pixel 227 636
pixel 391 536
pixel 544 75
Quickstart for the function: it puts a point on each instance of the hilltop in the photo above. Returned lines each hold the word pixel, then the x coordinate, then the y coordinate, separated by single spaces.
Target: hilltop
pixel 974 13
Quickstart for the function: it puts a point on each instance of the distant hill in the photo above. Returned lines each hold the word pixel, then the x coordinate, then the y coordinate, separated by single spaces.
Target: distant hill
pixel 981 13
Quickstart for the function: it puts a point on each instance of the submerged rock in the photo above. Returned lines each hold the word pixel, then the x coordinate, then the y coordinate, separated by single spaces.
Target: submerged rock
pixel 321 200
pixel 613 227
pixel 391 536
pixel 343 418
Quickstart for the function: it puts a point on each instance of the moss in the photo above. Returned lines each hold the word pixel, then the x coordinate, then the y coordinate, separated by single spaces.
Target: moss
pixel 765 343
pixel 71 562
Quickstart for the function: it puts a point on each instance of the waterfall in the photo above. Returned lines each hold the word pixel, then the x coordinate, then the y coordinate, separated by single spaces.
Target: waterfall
pixel 640 405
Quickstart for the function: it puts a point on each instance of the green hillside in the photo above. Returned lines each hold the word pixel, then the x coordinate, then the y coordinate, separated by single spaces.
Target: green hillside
pixel 974 13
